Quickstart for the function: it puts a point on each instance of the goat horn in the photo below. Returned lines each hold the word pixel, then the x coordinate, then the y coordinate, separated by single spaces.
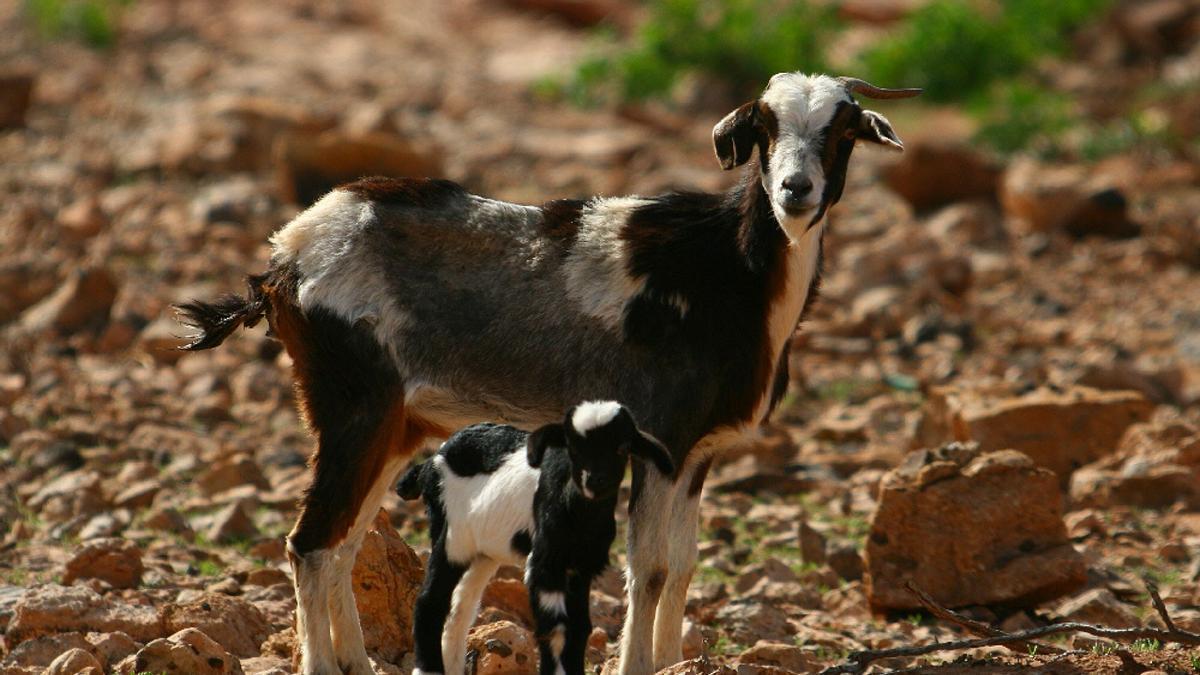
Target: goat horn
pixel 855 85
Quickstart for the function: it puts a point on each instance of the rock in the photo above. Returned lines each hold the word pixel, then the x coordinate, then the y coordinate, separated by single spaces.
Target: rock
pixel 160 340
pixel 309 166
pixel 698 666
pixel 168 520
pixel 969 528
pixel 83 219
pixel 16 92
pixel 116 561
pixel 188 651
pixel 693 640
pixel 1059 431
pixel 49 609
pixel 578 13
pixel 170 441
pixel 40 652
pixel 975 223
pixel 812 544
pixel 75 662
pixel 233 523
pixel 235 624
pixel 1070 198
pixel 386 579
pixel 23 283
pixel 234 200
pixel 781 655
pixel 113 647
pixel 1156 466
pixel 82 301
pixel 502 648
pixel 227 474
pixel 77 493
pixel 746 621
pixel 846 561
pixel 511 596
pixel 138 495
pixel 931 174
pixel 1099 607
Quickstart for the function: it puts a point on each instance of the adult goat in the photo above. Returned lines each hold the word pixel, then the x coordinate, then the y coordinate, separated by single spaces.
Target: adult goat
pixel 411 308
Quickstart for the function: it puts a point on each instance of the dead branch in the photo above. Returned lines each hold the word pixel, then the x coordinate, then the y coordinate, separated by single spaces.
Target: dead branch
pixel 1159 607
pixel 858 661
pixel 977 627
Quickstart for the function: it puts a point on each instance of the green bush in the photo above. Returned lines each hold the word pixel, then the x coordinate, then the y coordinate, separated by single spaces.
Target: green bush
pixel 91 21
pixel 956 49
pixel 740 41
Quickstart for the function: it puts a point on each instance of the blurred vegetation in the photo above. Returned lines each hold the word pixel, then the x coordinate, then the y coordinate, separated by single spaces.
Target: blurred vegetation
pixel 955 50
pixel 93 22
pixel 739 41
pixel 980 55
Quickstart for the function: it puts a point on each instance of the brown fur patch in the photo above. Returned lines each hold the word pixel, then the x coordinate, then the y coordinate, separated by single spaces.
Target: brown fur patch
pixel 560 219
pixel 698 476
pixel 420 192
pixel 656 581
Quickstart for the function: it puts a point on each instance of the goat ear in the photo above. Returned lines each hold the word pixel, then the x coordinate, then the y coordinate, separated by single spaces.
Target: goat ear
pixel 875 128
pixel 651 449
pixel 735 136
pixel 539 440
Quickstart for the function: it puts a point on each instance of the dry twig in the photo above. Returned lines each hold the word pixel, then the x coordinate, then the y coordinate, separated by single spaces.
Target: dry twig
pixel 858 661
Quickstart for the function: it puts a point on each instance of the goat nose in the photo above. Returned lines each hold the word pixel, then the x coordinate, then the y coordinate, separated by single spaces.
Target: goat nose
pixel 798 184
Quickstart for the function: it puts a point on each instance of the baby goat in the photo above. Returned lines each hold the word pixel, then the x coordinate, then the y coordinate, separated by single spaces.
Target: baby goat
pixel 550 506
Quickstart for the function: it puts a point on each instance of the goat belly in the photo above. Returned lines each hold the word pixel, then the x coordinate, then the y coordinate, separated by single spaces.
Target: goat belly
pixel 486 511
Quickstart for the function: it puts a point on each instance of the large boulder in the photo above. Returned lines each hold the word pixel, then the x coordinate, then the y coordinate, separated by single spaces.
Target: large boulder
pixel 387 578
pixel 969 528
pixel 1069 198
pixel 1060 431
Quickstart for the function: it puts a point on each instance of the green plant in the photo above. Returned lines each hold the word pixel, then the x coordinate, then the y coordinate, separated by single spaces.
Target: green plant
pixel 956 50
pixel 1146 645
pixel 92 21
pixel 742 42
pixel 1018 115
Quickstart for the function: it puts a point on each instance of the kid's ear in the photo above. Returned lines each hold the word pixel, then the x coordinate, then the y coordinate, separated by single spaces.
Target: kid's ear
pixel 875 128
pixel 651 449
pixel 535 447
pixel 735 136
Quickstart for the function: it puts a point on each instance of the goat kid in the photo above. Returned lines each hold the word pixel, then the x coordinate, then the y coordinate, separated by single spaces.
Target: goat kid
pixel 681 306
pixel 497 495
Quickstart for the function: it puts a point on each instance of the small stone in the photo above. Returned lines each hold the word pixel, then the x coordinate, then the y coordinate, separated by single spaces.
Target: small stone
pixel 116 561
pixel 845 559
pixel 82 301
pixel 83 219
pixel 187 651
pixel 782 655
pixel 386 580
pixel 1100 607
pixel 812 544
pixel 232 523
pixel 16 93
pixel 75 662
pixel 233 623
pixel 503 647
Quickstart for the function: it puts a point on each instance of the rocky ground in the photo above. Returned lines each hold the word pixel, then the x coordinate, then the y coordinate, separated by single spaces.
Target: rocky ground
pixel 997 397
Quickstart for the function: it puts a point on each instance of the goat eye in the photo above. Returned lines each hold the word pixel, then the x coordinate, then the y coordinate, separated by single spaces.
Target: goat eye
pixel 850 134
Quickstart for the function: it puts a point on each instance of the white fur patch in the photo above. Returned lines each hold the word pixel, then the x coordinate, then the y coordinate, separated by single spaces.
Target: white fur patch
pixel 558 640
pixel 804 106
pixel 553 601
pixel 484 511
pixel 326 246
pixel 593 414
pixel 596 270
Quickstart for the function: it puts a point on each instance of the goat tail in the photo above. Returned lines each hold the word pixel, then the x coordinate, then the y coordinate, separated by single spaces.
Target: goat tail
pixel 409 487
pixel 215 321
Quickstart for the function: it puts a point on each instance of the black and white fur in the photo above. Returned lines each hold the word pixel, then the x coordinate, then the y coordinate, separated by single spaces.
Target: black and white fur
pixel 411 308
pixel 497 495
